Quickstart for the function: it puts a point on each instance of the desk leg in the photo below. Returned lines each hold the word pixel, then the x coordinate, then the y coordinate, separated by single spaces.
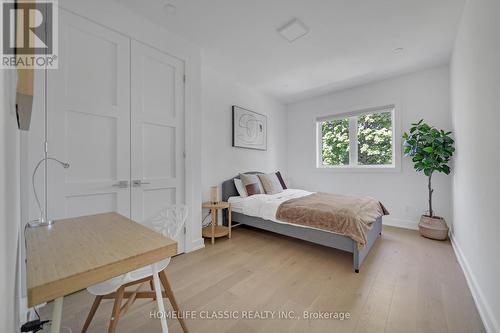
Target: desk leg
pixel 159 301
pixel 56 315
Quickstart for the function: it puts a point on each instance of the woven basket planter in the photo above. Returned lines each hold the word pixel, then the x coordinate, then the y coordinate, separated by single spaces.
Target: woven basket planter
pixel 433 227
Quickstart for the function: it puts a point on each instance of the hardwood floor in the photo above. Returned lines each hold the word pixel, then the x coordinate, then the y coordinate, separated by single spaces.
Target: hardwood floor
pixel 407 284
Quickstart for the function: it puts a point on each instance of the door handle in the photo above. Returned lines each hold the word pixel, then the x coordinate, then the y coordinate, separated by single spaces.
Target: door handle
pixel 138 182
pixel 121 184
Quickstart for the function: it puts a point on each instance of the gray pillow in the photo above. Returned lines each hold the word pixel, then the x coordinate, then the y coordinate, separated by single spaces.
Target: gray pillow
pixel 251 183
pixel 271 183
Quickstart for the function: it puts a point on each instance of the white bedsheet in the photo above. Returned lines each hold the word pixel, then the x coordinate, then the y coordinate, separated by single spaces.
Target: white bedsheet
pixel 264 205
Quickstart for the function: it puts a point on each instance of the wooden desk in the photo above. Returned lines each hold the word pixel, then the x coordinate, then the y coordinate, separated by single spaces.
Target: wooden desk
pixel 75 253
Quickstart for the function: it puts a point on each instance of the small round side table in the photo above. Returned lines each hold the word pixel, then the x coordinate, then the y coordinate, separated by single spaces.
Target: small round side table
pixel 216 230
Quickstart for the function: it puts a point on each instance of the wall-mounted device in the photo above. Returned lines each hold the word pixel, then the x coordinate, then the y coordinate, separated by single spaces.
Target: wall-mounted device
pixel 24 97
pixel 25 73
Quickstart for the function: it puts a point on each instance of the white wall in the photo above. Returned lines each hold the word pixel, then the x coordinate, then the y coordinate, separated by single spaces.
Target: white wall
pixel 419 95
pixel 220 160
pixel 475 73
pixel 9 204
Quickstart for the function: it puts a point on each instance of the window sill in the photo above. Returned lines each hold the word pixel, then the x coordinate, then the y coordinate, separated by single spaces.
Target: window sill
pixel 359 169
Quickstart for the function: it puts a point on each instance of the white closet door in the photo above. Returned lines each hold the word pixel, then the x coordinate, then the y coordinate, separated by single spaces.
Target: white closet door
pixel 89 120
pixel 157 117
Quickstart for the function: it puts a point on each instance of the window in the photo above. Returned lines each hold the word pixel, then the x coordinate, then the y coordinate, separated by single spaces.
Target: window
pixel 359 139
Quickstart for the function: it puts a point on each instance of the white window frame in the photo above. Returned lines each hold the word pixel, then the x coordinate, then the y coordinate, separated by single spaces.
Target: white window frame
pixel 353 141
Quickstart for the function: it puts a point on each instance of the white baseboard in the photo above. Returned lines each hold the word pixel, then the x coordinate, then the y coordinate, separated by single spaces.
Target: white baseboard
pixel 489 321
pixel 400 223
pixel 196 245
pixel 23 310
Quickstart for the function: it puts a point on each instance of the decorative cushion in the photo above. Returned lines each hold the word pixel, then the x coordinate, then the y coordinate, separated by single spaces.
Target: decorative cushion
pixel 282 182
pixel 252 189
pixel 271 183
pixel 251 183
pixel 240 188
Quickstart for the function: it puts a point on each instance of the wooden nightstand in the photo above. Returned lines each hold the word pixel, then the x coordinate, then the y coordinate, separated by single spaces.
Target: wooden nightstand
pixel 216 230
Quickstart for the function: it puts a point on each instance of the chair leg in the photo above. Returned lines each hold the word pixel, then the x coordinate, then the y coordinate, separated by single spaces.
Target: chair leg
pixel 92 312
pixel 171 297
pixel 115 315
pixel 130 301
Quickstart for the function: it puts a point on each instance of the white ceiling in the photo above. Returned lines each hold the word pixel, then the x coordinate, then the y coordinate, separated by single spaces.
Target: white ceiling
pixel 350 42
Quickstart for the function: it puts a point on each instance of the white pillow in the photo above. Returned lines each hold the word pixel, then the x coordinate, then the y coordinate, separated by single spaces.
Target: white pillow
pixel 240 188
pixel 271 183
pixel 261 187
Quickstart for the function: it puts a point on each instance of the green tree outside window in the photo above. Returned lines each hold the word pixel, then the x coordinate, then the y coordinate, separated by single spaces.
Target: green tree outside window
pixel 335 143
pixel 374 137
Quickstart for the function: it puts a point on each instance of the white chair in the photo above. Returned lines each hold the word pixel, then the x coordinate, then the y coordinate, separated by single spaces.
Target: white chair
pixel 170 223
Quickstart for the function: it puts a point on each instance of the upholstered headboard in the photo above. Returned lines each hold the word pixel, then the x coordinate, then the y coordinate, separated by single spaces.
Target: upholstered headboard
pixel 229 189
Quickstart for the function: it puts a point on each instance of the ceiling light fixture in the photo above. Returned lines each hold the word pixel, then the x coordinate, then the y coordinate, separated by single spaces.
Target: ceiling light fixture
pixel 398 50
pixel 293 30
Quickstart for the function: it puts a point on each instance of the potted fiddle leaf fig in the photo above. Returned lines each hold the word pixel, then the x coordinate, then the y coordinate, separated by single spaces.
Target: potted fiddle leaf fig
pixel 430 150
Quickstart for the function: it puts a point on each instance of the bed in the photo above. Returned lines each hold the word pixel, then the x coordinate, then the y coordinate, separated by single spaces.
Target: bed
pixel 268 222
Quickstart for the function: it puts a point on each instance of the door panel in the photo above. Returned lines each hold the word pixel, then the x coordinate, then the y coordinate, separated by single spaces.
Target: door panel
pixel 92 60
pixel 159 99
pixel 100 145
pixel 159 151
pixel 157 122
pixel 88 123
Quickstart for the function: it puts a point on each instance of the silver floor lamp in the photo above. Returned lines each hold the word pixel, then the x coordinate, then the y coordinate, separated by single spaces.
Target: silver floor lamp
pixel 42 220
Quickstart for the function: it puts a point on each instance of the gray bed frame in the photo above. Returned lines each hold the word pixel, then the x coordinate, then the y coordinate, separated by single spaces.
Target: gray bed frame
pixel 325 238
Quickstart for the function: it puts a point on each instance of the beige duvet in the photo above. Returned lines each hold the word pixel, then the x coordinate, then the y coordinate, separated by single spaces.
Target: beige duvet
pixel 345 215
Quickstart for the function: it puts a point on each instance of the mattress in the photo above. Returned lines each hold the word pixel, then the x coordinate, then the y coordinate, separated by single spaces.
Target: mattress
pixel 264 206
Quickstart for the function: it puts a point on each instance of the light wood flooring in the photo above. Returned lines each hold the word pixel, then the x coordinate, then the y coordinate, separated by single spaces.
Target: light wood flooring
pixel 407 284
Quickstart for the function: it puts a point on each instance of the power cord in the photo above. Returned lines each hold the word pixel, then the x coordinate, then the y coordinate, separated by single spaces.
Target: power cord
pixel 203 224
pixel 206 224
pixel 36 311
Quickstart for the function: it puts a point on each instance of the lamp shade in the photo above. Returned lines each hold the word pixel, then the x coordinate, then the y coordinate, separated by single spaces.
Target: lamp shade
pixel 214 194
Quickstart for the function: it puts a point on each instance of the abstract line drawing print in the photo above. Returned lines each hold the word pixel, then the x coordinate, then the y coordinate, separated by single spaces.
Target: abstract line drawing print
pixel 252 129
pixel 249 129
